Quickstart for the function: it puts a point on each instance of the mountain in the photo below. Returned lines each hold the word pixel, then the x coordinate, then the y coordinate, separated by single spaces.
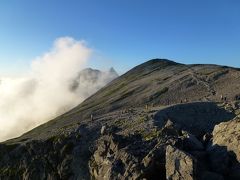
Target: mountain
pixel 92 80
pixel 160 120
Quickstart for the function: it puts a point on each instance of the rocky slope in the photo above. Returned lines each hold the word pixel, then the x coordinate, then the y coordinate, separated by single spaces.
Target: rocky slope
pixel 160 120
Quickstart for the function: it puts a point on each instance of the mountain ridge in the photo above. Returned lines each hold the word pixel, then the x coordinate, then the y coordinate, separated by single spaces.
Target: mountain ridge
pixel 156 66
pixel 137 126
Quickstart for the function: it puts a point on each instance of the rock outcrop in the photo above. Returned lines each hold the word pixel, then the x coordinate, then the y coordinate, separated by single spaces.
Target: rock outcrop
pixel 228 134
pixel 225 152
pixel 179 165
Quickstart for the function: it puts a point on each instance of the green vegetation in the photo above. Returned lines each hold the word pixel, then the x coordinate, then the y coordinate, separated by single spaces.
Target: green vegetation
pixel 115 89
pixel 143 119
pixel 130 124
pixel 158 93
pixel 125 95
pixel 151 135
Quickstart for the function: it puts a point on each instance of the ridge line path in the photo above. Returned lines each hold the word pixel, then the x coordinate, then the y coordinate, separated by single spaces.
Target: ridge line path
pixel 201 80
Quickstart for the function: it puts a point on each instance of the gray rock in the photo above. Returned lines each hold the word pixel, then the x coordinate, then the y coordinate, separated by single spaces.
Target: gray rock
pixel 113 159
pixel 228 134
pixel 179 165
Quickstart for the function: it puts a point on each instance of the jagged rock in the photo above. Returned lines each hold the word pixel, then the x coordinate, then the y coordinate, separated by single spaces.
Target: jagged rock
pixel 224 155
pixel 228 134
pixel 113 159
pixel 179 165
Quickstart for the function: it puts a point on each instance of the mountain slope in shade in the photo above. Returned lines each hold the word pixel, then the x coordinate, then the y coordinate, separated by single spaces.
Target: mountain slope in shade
pixel 138 126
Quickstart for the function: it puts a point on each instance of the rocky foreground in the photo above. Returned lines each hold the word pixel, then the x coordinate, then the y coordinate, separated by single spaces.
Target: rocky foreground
pixel 181 128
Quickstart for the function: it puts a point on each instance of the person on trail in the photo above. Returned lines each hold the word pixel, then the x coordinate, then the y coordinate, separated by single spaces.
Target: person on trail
pixel 221 97
pixel 103 130
pixel 225 98
pixel 91 117
pixel 146 107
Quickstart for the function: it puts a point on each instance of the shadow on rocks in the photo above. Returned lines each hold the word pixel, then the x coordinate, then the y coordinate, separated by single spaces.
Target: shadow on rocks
pixel 198 118
pixel 222 162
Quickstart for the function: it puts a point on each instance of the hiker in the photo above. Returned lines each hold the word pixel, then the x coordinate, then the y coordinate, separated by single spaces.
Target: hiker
pixel 225 98
pixel 91 117
pixel 103 130
pixel 146 107
pixel 221 97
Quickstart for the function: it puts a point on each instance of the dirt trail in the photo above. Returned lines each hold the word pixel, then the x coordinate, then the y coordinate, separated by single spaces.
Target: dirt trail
pixel 200 79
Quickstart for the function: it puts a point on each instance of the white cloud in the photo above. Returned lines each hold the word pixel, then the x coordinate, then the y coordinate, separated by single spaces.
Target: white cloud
pixel 26 102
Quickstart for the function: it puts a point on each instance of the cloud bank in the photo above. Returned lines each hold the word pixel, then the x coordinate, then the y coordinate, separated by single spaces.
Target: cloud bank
pixel 54 85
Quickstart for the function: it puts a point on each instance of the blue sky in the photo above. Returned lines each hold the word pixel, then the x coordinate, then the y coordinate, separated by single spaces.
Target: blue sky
pixel 124 33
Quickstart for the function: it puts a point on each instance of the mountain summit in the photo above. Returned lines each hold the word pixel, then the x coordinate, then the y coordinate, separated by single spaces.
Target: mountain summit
pixel 160 120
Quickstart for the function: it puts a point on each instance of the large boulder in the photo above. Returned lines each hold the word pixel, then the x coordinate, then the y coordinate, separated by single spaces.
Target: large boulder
pixel 117 157
pixel 225 152
pixel 228 134
pixel 179 165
